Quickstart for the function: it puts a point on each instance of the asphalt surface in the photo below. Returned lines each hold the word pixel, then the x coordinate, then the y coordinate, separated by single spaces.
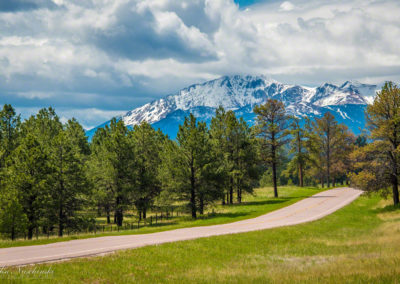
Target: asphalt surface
pixel 306 210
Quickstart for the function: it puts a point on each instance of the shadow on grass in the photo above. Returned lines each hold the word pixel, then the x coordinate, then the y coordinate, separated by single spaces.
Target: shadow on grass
pixel 388 208
pixel 160 224
pixel 262 202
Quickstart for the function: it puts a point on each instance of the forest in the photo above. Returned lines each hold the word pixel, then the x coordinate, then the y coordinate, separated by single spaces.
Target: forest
pixel 51 175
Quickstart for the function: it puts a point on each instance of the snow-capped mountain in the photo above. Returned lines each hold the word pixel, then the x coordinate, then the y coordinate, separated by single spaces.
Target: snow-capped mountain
pixel 241 93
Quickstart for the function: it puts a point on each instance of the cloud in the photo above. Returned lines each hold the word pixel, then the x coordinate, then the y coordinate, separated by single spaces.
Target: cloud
pixel 286 6
pixel 116 55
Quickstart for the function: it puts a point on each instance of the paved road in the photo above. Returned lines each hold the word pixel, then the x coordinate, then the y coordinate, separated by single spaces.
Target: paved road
pixel 306 210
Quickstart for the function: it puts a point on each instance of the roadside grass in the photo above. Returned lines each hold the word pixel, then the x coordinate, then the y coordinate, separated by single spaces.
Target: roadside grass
pixel 357 244
pixel 261 202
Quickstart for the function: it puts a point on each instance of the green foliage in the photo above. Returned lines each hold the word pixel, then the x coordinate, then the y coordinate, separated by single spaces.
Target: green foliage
pixel 270 128
pixel 331 145
pixel 377 164
pixel 113 168
pixel 148 144
pixel 187 163
pixel 53 179
pixel 234 151
pixel 71 185
pixel 13 220
pixel 29 176
pixel 298 149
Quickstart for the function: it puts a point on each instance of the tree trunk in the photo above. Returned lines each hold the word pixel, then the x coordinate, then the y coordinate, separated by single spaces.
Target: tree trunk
pixel 13 228
pixel 140 215
pixel 118 212
pixel 301 175
pixel 231 194
pixel 274 179
pixel 31 217
pixel 395 189
pixel 201 209
pixel 144 213
pixel 108 214
pixel 239 195
pixel 193 192
pixel 30 232
pixel 60 222
pixel 120 217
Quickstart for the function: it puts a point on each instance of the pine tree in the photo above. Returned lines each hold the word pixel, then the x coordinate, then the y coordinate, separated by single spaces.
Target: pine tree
pixel 234 155
pixel 186 164
pixel 147 147
pixel 101 172
pixel 114 166
pixel 13 220
pixel 220 152
pixel 378 162
pixel 9 129
pixel 334 144
pixel 68 157
pixel 270 128
pixel 298 147
pixel 245 171
pixel 29 177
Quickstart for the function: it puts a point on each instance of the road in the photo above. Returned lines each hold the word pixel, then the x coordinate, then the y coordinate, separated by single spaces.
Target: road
pixel 306 210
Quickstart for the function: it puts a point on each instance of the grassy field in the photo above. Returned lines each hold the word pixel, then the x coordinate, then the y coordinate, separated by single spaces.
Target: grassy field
pixel 357 244
pixel 252 206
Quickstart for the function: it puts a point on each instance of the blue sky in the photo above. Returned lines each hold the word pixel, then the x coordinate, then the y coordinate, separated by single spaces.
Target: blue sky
pixel 93 59
pixel 245 3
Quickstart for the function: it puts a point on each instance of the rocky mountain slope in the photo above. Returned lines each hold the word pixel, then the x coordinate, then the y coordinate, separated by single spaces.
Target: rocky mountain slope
pixel 241 93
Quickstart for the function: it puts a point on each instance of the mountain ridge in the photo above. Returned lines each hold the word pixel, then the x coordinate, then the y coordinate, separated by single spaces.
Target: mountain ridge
pixel 240 93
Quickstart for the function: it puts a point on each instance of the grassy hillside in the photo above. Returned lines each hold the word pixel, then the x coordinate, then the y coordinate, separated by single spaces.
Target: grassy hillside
pixel 355 244
pixel 252 206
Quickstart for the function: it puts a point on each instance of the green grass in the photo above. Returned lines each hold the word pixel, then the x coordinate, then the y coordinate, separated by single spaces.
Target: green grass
pixel 252 206
pixel 357 244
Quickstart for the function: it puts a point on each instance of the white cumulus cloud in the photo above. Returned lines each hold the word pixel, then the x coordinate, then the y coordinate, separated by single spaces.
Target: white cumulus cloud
pixel 115 55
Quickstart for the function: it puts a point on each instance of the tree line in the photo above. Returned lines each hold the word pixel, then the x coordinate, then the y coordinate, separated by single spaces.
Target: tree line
pixel 50 174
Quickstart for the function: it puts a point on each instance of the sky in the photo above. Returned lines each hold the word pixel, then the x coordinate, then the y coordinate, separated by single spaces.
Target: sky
pixel 94 59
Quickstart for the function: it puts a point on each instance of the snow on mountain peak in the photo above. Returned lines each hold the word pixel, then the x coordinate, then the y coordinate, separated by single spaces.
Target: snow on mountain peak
pixel 237 92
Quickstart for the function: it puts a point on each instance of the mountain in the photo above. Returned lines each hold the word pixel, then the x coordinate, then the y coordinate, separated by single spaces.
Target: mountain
pixel 241 93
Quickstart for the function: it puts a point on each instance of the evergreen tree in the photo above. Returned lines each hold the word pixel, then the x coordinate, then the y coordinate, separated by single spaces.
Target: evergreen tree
pixel 234 155
pixel 114 166
pixel 29 177
pixel 245 171
pixel 101 172
pixel 9 128
pixel 220 152
pixel 13 220
pixel 334 144
pixel 69 150
pixel 378 162
pixel 298 147
pixel 147 147
pixel 186 164
pixel 271 126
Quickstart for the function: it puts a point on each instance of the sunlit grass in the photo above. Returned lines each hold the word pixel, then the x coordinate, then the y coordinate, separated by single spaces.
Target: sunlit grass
pixel 357 244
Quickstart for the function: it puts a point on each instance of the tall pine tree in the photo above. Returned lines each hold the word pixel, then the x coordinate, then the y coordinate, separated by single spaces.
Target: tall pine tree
pixel 271 126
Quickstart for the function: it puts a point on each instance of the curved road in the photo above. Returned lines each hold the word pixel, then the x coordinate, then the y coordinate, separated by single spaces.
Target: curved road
pixel 306 210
